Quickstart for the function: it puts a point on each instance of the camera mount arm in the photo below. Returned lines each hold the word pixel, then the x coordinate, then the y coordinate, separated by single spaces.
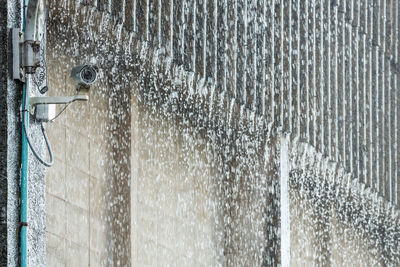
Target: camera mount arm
pixel 46 100
pixel 43 108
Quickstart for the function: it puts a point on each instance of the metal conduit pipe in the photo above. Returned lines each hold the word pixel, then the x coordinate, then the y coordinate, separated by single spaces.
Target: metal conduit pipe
pixel 29 26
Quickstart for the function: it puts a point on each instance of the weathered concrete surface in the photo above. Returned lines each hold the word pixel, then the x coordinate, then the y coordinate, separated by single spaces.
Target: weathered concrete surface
pixel 10 158
pixel 4 135
pixel 10 144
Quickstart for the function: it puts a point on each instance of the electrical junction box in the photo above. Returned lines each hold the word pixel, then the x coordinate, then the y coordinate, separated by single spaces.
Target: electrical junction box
pixel 45 112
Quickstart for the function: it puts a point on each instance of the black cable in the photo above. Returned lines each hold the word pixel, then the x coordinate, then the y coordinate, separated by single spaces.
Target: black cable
pixel 65 107
pixel 47 164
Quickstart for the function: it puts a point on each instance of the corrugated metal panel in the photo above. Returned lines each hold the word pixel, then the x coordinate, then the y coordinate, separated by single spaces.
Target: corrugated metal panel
pixel 327 71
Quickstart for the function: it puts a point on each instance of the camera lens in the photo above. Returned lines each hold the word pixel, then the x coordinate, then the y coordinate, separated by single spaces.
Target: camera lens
pixel 88 74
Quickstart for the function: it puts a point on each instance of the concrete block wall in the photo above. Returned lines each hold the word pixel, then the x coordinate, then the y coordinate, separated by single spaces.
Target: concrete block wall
pixel 83 184
pixel 68 182
pixel 173 209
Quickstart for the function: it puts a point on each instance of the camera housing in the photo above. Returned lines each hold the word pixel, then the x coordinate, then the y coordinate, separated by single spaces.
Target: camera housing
pixel 84 76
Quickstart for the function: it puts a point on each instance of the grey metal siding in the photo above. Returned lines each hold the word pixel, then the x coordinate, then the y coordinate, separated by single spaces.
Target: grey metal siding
pixel 326 71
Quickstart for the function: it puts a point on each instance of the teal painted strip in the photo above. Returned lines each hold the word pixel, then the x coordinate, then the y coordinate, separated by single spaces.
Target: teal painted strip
pixel 24 185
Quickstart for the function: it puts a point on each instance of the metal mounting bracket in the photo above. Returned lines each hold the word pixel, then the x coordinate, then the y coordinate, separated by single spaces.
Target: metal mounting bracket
pixel 17 69
pixel 47 100
pixel 26 55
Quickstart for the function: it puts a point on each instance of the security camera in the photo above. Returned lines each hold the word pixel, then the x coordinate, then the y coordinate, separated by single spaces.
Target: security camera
pixel 84 76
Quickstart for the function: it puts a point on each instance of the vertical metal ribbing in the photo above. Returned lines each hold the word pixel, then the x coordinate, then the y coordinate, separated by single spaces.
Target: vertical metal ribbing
pixel 341 84
pixel 335 102
pixel 171 28
pixel 303 81
pixel 103 5
pixel 385 106
pixel 363 30
pixel 328 87
pixel 273 69
pixel 391 96
pixel 188 50
pixel 317 69
pixel 355 89
pixel 92 3
pixel 231 48
pixel 264 32
pixel 368 84
pixel 285 68
pixel 378 95
pixel 308 84
pixel 295 67
pixel 269 58
pixel 141 19
pixel 129 15
pixel 187 17
pixel 194 41
pixel 348 102
pixel 374 98
pixel 289 32
pixel 166 22
pixel 298 89
pixel 396 84
pixel 313 83
pixel 326 79
pixel 381 105
pixel 221 44
pixel 134 15
pixel 117 10
pixel 215 40
pixel 160 37
pixel 178 31
pixel 289 61
pixel 204 39
pixel 241 55
pixel 199 22
pixel 254 54
pixel 343 69
pixel 251 50
pixel 360 90
pixel 152 24
pixel 211 35
pixel 259 58
pixel 320 99
pixel 243 59
pixel 314 93
pixel 369 74
pixel 279 42
pixel 277 63
pixel 147 24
